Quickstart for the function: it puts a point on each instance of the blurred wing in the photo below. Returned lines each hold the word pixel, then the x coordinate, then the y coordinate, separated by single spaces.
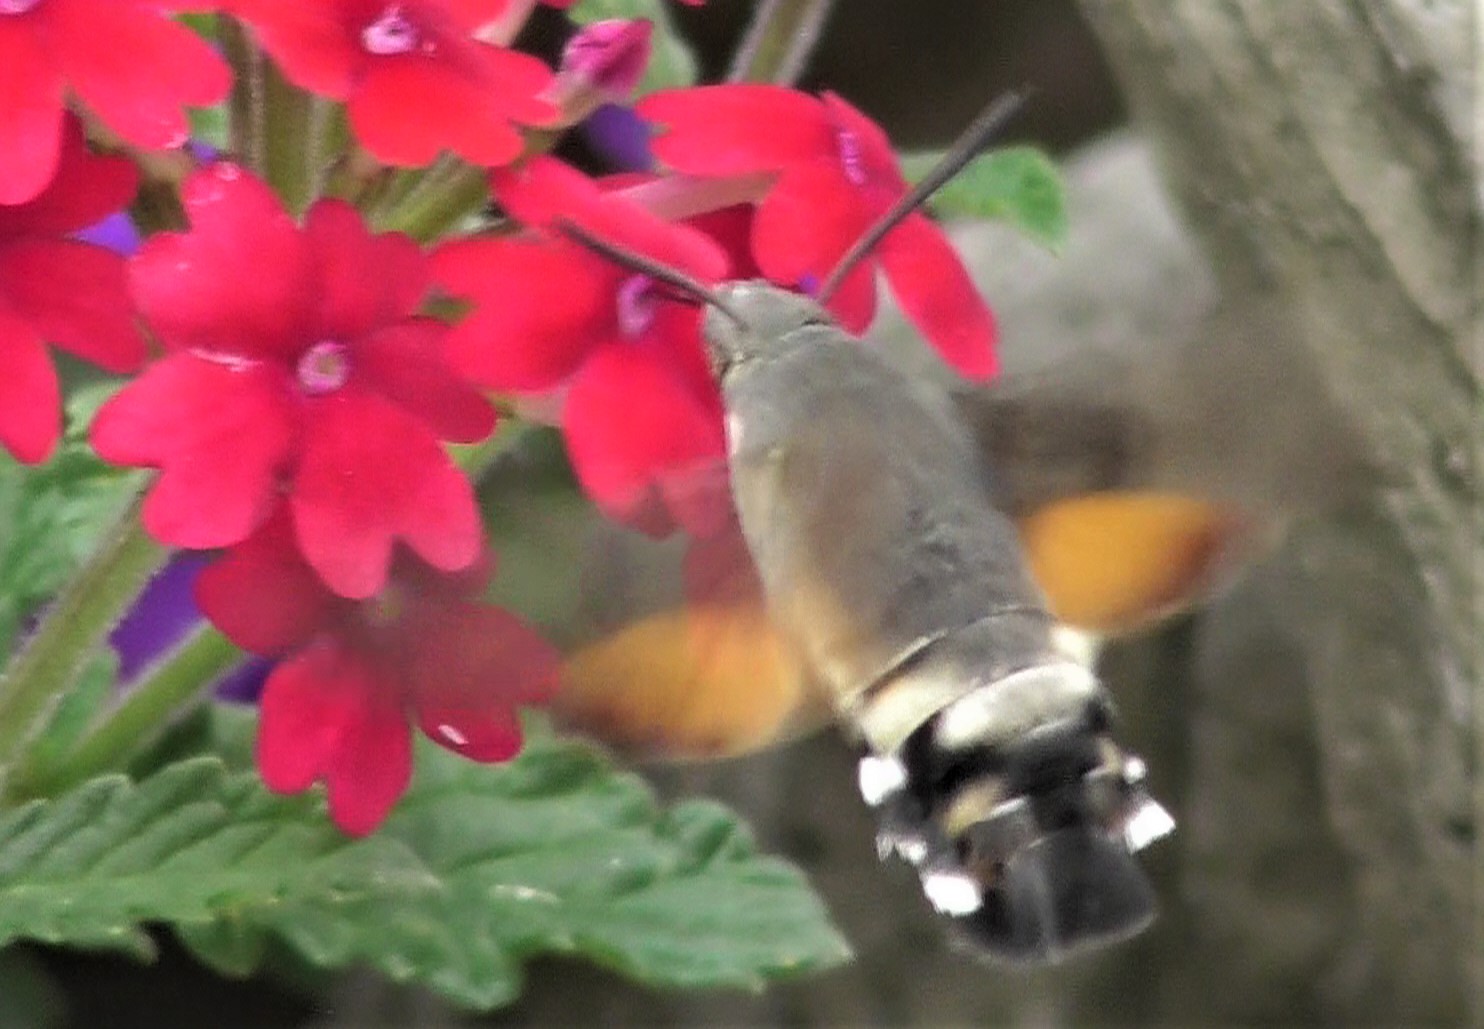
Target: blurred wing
pixel 710 676
pixel 693 683
pixel 1115 562
pixel 1141 479
pixel 1138 481
pixel 682 662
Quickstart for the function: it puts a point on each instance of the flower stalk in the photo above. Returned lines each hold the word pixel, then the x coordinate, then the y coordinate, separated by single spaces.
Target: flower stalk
pixel 442 198
pixel 779 41
pixel 50 662
pixel 148 709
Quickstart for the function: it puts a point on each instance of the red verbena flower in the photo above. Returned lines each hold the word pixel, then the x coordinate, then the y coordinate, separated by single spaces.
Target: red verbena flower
pixel 835 174
pixel 641 413
pixel 356 674
pixel 62 291
pixel 124 59
pixel 415 75
pixel 295 364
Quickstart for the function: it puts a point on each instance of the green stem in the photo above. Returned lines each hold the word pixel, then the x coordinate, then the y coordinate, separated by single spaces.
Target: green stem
pixel 82 616
pixel 136 722
pixel 293 136
pixel 248 124
pixel 447 193
pixel 779 41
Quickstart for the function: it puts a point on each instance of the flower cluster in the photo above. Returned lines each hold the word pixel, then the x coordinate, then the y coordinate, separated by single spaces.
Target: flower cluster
pixel 306 371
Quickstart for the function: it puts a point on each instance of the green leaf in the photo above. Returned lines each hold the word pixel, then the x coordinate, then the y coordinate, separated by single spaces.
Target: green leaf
pixel 558 852
pixel 671 63
pixel 541 524
pixel 1018 184
pixel 54 513
pixel 190 845
pixel 478 868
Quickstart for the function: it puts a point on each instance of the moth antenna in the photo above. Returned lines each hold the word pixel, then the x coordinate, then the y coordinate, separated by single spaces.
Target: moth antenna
pixel 968 145
pixel 676 279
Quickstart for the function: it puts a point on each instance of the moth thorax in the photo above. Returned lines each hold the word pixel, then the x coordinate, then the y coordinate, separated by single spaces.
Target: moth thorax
pixel 1022 815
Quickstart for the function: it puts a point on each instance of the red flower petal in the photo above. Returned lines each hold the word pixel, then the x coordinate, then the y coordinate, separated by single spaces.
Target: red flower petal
pixel 262 595
pixel 220 434
pixel 937 296
pixel 75 297
pixel 808 221
pixel 310 42
pixel 373 761
pixel 30 404
pixel 854 302
pixel 871 149
pixel 736 128
pixel 326 715
pixel 544 191
pixel 539 308
pixel 803 228
pixel 305 706
pixel 477 733
pixel 135 68
pixel 731 229
pixel 516 83
pixel 30 110
pixel 240 282
pixel 472 665
pixel 365 280
pixel 404 363
pixel 371 474
pixel 410 108
pixel 630 423
pixel 86 188
pixel 472 14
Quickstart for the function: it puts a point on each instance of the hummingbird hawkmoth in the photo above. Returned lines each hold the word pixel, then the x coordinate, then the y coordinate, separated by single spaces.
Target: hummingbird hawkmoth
pixel 916 547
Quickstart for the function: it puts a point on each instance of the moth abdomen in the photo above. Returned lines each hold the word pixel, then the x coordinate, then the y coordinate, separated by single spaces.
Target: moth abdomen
pixel 1024 835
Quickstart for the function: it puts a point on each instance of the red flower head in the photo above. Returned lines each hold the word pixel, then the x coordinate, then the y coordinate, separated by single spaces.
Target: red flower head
pixel 295 364
pixel 641 413
pixel 60 291
pixel 415 75
pixel 338 706
pixel 835 174
pixel 124 59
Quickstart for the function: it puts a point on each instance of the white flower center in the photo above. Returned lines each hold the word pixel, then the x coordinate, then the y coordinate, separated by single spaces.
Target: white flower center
pixel 324 367
pixel 391 33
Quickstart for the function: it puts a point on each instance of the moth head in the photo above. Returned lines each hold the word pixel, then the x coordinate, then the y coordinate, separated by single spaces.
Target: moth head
pixel 765 317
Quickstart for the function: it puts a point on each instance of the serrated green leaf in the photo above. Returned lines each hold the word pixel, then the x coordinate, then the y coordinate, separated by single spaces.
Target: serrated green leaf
pixel 229 947
pixel 191 845
pixel 477 869
pixel 671 62
pixel 1018 184
pixel 558 852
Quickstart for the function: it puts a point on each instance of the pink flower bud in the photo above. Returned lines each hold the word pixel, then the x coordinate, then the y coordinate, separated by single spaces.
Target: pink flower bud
pixel 602 64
